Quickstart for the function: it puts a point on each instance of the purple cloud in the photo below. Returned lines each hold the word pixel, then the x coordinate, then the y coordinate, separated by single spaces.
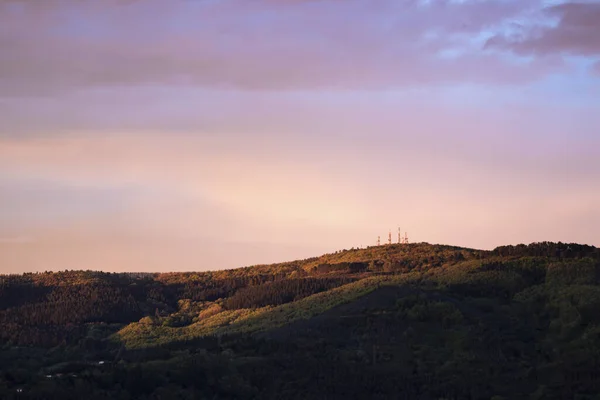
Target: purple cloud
pixel 253 45
pixel 575 33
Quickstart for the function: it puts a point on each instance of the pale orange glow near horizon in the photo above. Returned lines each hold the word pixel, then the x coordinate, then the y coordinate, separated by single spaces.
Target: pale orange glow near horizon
pixel 155 203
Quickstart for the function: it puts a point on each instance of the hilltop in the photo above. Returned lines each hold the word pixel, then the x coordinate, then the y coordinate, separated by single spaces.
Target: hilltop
pixel 399 321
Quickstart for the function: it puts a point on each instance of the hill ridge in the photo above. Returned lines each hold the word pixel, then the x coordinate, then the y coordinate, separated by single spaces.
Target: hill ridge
pixel 410 320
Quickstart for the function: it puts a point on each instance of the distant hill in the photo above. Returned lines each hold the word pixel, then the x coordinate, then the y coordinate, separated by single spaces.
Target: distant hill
pixel 393 321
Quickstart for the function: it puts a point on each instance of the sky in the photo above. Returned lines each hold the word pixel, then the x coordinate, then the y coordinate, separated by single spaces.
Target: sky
pixel 180 135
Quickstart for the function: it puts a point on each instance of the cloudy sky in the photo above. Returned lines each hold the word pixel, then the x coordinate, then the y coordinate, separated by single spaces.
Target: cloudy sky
pixel 147 135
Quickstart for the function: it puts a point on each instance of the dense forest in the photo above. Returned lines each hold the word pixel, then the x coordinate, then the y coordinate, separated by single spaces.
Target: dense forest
pixel 405 321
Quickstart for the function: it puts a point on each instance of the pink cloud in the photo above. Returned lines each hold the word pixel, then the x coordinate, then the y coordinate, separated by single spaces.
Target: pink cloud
pixel 16 240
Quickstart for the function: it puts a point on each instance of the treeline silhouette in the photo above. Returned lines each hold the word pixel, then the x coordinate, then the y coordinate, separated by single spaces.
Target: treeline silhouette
pixel 548 249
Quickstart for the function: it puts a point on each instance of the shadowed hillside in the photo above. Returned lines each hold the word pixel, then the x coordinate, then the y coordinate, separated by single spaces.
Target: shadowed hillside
pixel 395 321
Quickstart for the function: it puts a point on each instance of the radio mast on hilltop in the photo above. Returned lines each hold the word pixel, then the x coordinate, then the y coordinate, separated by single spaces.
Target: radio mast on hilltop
pixel 401 239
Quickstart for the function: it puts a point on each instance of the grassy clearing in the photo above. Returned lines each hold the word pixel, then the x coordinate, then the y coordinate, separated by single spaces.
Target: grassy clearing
pixel 139 335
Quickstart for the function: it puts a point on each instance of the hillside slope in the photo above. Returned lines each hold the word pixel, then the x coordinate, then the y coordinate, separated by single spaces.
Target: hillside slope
pixel 399 321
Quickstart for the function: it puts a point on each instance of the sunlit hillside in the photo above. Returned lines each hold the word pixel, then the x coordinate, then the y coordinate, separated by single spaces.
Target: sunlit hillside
pixel 406 321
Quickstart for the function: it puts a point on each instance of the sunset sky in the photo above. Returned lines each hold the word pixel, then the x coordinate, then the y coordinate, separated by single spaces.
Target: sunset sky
pixel 159 135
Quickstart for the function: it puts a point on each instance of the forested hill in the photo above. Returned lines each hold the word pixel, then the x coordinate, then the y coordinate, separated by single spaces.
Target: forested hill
pixel 393 321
